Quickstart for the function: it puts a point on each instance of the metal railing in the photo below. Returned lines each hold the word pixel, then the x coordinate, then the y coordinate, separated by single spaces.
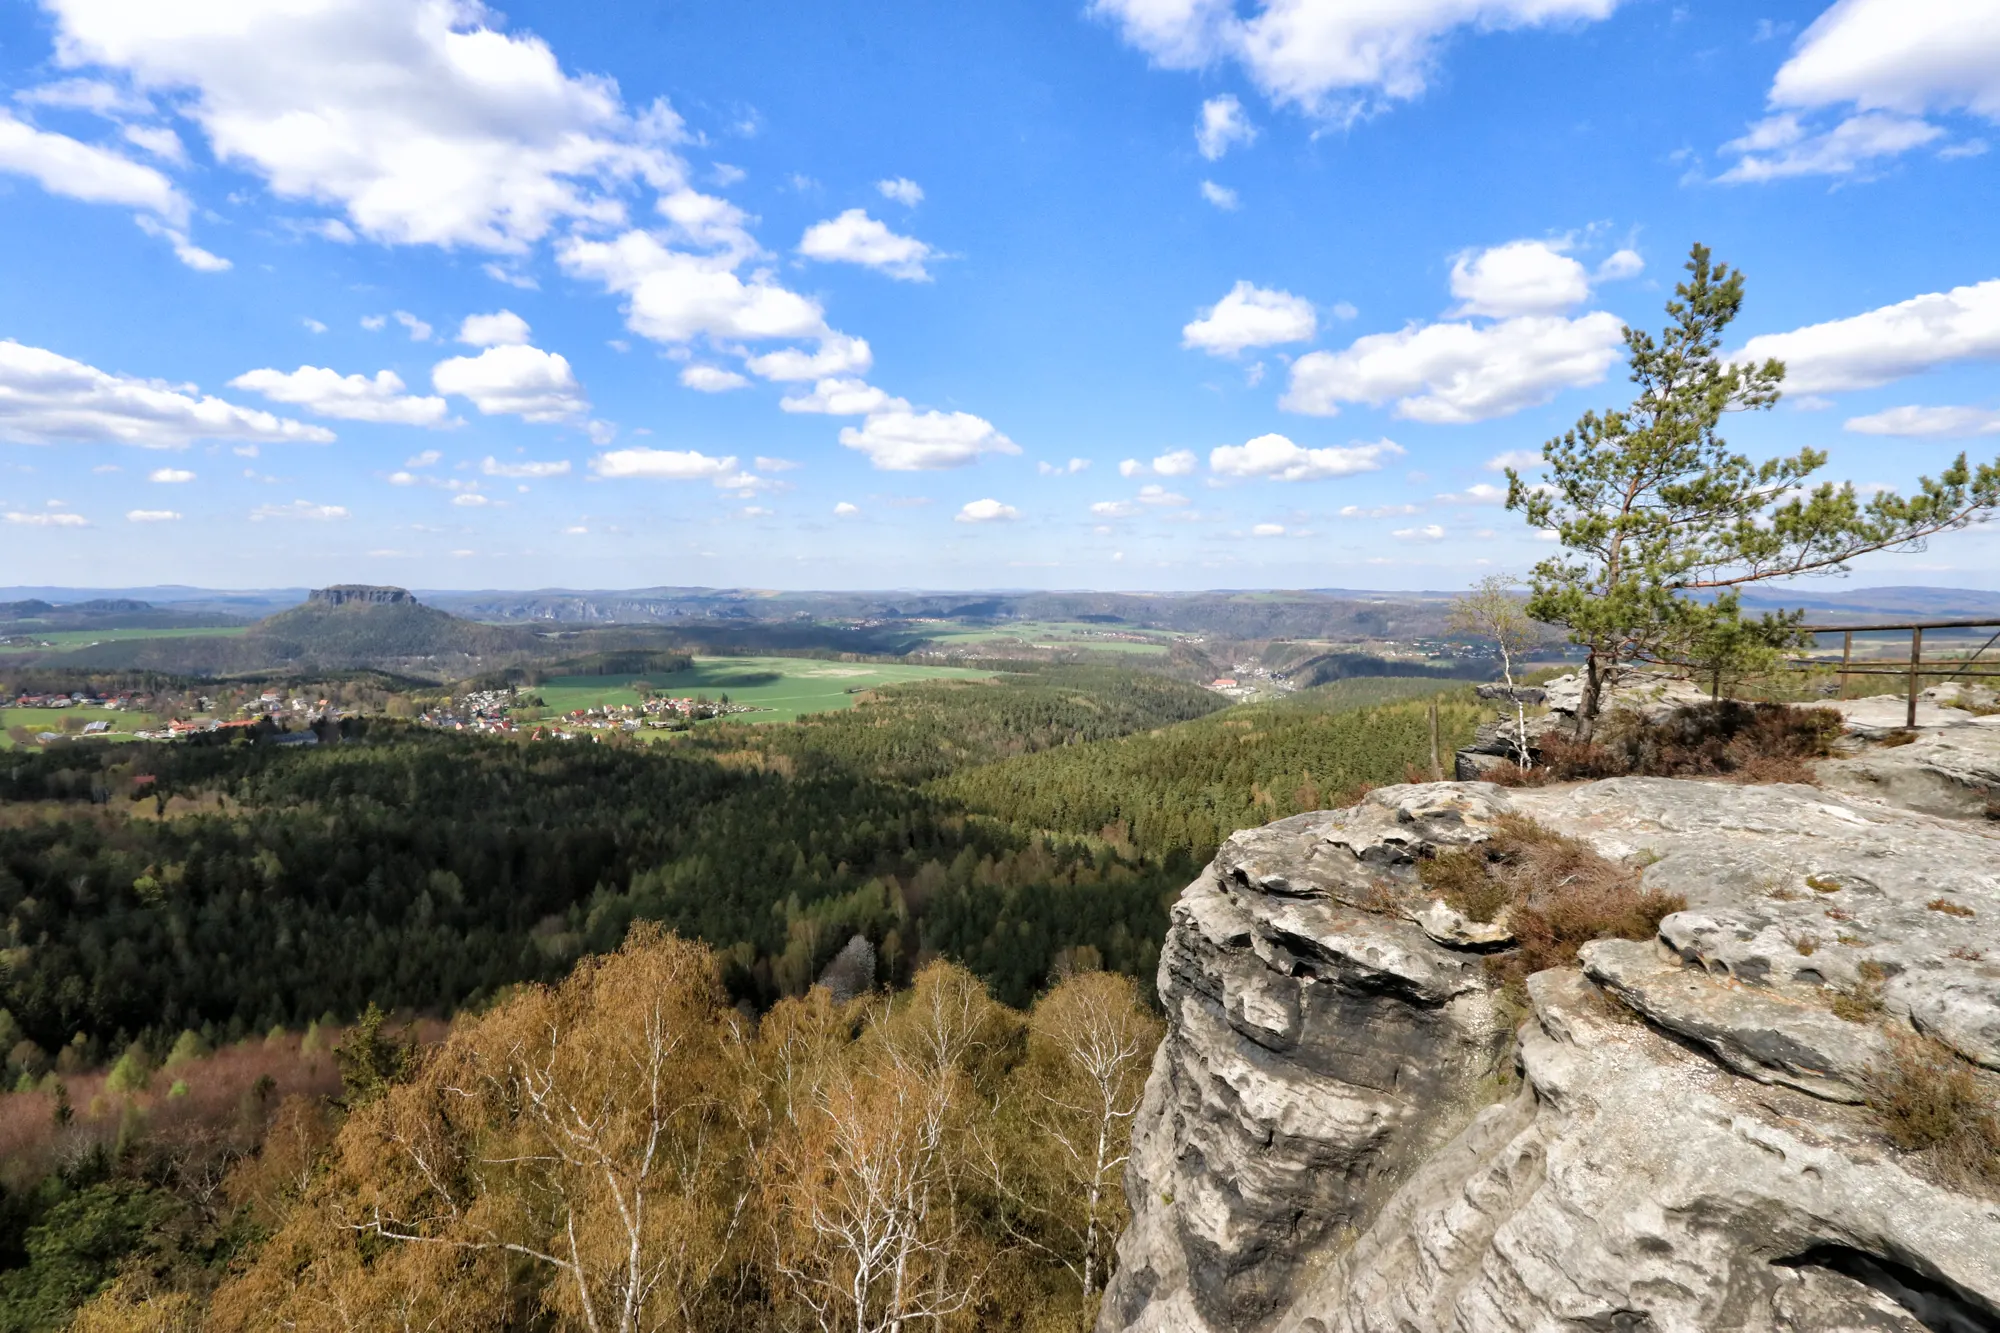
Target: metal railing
pixel 1914 668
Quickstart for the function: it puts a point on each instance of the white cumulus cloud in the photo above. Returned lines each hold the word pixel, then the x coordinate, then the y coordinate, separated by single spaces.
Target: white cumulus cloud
pixel 1479 493
pixel 1939 423
pixel 151 516
pixel 985 511
pixel 1221 196
pixel 1888 343
pixel 662 465
pixel 846 510
pixel 1877 69
pixel 1330 58
pixel 903 190
pixel 328 393
pixel 1428 533
pixel 1518 459
pixel 502 328
pixel 49 399
pixel 420 121
pixel 675 296
pixel 856 238
pixel 514 380
pixel 712 379
pixel 171 476
pixel 842 398
pixel 902 440
pixel 1278 458
pixel 1454 372
pixel 493 467
pixel 77 170
pixel 1268 530
pixel 303 509
pixel 48 520
pixel 1518 278
pixel 1250 316
pixel 837 355
pixel 1223 126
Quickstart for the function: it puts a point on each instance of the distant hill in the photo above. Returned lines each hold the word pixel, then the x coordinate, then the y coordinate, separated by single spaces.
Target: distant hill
pixel 35 613
pixel 338 628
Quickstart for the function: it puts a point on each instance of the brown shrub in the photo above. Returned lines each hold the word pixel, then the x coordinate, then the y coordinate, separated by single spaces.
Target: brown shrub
pixel 1928 1100
pixel 1948 907
pixel 1760 743
pixel 1560 895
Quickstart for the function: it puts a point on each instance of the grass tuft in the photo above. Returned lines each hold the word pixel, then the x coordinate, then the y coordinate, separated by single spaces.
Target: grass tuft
pixel 1928 1100
pixel 1742 742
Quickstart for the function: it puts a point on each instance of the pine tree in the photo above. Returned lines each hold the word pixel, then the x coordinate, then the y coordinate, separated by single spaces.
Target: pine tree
pixel 1660 521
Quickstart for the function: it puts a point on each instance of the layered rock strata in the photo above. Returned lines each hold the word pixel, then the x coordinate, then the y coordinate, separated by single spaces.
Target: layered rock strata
pixel 1350 1128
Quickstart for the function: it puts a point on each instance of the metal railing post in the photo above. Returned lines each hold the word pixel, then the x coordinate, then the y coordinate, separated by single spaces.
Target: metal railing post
pixel 1846 652
pixel 1916 659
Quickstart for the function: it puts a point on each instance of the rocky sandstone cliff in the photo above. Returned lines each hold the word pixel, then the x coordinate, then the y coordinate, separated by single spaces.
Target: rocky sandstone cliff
pixel 1350 1127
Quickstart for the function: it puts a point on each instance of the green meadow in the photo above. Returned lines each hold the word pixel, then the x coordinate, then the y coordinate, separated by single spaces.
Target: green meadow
pixel 783 687
pixel 1054 634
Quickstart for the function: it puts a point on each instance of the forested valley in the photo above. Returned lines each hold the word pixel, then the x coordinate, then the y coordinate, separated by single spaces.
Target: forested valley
pixel 191 929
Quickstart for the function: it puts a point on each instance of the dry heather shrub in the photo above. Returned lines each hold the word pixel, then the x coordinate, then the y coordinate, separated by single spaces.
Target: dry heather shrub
pixel 1928 1100
pixel 1727 738
pixel 1559 893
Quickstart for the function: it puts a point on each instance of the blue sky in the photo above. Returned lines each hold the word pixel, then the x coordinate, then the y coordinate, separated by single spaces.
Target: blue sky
pixel 1134 294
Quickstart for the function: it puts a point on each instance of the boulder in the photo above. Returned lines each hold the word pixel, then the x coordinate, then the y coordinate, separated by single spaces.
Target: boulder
pixel 1349 1127
pixel 1949 765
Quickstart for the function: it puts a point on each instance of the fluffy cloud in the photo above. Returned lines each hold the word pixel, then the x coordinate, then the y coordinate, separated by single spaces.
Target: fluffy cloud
pixel 1379 511
pixel 846 510
pixel 514 380
pixel 1480 493
pixel 1268 530
pixel 170 476
pixel 502 328
pixel 328 393
pixel 1429 533
pixel 985 511
pixel 838 355
pixel 493 467
pixel 1114 508
pixel 151 516
pixel 304 509
pixel 1223 126
pixel 1328 57
pixel 1518 278
pixel 417 119
pixel 1160 495
pixel 776 464
pixel 1070 469
pixel 842 398
pixel 1939 423
pixel 712 379
pixel 77 170
pixel 903 190
pixel 1278 458
pixel 50 399
pixel 1887 343
pixel 1451 373
pixel 470 500
pixel 856 238
pixel 1250 316
pixel 1221 196
pixel 1779 146
pixel 662 465
pixel 674 296
pixel 1179 463
pixel 901 440
pixel 49 520
pixel 1518 459
pixel 1881 65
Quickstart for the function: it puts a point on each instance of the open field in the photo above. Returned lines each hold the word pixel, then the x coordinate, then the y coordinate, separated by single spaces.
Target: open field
pixel 1052 634
pixel 787 687
pixel 65 639
pixel 51 719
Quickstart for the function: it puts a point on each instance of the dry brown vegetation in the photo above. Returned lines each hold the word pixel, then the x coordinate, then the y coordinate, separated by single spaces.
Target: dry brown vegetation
pixel 1727 739
pixel 626 1151
pixel 1930 1101
pixel 1557 894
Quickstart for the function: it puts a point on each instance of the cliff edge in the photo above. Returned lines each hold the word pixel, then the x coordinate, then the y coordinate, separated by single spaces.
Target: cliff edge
pixel 1352 1125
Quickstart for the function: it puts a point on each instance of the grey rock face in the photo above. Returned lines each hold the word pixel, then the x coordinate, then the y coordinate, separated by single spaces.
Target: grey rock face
pixel 1343 1133
pixel 1951 768
pixel 343 594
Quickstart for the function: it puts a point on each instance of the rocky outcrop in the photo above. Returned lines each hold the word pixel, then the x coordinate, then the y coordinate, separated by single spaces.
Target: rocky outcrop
pixel 1350 1127
pixel 364 594
pixel 1948 765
